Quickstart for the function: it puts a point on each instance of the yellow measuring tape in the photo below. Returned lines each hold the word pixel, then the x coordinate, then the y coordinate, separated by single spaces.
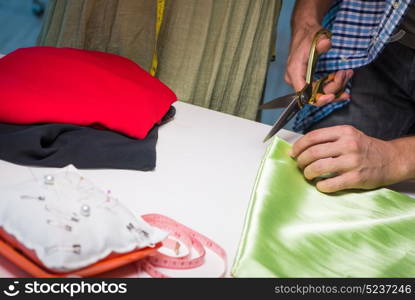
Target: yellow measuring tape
pixel 161 4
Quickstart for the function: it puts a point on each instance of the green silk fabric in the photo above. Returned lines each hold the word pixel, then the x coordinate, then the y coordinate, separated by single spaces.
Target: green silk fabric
pixel 293 230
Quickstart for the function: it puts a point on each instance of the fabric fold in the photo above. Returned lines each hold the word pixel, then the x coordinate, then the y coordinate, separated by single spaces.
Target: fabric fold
pixel 58 145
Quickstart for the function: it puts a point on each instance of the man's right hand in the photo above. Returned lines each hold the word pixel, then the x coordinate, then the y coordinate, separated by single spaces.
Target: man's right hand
pixel 302 38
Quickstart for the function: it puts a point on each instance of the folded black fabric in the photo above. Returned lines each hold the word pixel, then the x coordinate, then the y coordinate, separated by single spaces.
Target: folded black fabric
pixel 57 145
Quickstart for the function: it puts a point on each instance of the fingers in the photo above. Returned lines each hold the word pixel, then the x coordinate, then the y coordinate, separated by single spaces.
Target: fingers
pixel 297 78
pixel 324 99
pixel 326 166
pixel 318 152
pixel 329 98
pixel 340 80
pixel 296 67
pixel 343 151
pixel 343 96
pixel 319 136
pixel 323 44
pixel 296 70
pixel 298 58
pixel 348 180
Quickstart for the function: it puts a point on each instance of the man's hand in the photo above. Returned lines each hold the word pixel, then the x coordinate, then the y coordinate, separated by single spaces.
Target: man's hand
pixel 305 24
pixel 357 160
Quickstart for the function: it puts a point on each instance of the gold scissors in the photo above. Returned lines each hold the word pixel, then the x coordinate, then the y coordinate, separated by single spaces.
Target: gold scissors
pixel 307 95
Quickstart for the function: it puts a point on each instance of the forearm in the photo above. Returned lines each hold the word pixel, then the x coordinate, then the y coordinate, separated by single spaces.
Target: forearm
pixel 308 13
pixel 405 162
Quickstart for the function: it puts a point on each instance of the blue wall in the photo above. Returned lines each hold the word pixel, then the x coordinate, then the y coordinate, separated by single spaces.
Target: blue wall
pixel 19 26
pixel 275 84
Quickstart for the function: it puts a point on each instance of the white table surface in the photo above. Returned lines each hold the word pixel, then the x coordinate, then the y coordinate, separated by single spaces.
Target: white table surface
pixel 206 166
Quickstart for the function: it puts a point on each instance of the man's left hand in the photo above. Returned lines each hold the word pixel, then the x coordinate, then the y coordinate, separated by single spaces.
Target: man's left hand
pixel 357 160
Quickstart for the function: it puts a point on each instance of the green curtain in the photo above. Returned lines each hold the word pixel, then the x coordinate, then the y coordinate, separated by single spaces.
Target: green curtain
pixel 213 53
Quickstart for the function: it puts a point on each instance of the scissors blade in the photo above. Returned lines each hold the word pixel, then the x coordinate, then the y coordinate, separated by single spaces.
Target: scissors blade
pixel 292 109
pixel 280 102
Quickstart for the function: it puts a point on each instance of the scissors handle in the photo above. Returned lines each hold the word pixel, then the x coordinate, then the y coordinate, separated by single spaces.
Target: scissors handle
pixel 319 86
pixel 312 62
pixel 313 55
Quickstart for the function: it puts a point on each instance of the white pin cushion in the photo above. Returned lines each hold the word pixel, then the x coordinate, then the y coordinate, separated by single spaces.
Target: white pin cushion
pixel 65 222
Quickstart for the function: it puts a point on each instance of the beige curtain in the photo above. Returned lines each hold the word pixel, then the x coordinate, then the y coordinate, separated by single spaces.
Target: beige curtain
pixel 213 53
pixel 124 27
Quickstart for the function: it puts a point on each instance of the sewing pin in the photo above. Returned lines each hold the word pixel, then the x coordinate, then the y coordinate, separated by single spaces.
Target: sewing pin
pixel 49 179
pixel 40 198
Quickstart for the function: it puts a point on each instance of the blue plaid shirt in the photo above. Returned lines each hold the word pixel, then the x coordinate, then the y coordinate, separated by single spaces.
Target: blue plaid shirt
pixel 360 28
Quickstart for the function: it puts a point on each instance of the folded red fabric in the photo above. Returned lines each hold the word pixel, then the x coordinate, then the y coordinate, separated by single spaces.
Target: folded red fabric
pixel 82 87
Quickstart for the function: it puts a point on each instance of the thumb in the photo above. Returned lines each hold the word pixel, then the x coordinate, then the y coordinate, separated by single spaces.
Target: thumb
pixel 323 44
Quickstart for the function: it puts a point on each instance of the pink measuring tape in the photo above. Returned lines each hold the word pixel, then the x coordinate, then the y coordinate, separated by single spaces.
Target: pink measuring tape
pixel 190 238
